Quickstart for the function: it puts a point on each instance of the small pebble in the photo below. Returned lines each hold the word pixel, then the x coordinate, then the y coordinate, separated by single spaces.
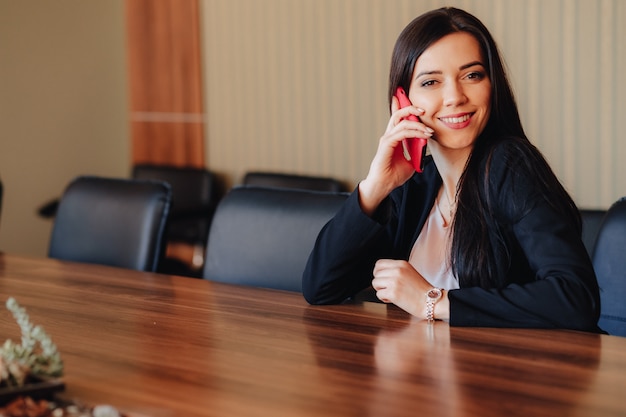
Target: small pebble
pixel 105 411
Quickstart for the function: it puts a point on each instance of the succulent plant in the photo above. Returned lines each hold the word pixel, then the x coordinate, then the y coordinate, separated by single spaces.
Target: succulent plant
pixel 36 355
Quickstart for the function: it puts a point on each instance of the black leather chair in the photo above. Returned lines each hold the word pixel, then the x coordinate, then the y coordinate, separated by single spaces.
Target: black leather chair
pixel 282 180
pixel 195 194
pixel 609 261
pixel 263 236
pixel 592 219
pixel 116 222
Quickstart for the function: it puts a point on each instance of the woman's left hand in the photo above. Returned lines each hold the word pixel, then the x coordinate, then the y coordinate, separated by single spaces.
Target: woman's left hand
pixel 397 282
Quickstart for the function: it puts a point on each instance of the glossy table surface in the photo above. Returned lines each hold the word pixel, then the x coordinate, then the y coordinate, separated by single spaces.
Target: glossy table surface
pixel 159 345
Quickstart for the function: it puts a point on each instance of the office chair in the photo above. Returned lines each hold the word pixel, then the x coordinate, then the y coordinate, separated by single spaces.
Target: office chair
pixel 283 180
pixel 116 222
pixel 263 236
pixel 609 262
pixel 592 219
pixel 195 194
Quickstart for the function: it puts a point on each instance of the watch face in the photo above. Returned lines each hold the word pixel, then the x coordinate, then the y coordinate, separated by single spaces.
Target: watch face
pixel 435 293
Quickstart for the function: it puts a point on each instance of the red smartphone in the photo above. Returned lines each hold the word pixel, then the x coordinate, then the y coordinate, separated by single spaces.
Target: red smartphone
pixel 414 148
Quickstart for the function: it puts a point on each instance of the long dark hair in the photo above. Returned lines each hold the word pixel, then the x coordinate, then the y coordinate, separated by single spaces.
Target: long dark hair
pixel 480 253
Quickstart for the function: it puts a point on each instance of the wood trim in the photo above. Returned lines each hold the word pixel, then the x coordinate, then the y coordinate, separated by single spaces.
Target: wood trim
pixel 165 82
pixel 177 144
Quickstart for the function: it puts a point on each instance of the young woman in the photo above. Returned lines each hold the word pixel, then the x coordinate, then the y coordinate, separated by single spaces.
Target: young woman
pixel 485 235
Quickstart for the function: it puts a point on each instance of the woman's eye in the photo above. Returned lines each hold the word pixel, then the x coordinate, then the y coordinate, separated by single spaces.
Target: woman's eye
pixel 476 75
pixel 428 83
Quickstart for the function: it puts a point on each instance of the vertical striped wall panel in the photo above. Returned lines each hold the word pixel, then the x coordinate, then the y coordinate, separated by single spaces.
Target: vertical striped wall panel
pixel 300 85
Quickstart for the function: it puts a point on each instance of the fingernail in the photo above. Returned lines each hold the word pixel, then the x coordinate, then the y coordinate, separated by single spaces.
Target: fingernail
pixel 430 130
pixel 422 110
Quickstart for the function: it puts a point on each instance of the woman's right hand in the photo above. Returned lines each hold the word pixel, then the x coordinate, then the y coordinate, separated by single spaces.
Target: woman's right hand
pixel 389 168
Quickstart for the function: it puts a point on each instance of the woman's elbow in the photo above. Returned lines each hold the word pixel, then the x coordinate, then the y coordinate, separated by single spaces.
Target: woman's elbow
pixel 584 316
pixel 317 292
pixel 310 295
pixel 311 288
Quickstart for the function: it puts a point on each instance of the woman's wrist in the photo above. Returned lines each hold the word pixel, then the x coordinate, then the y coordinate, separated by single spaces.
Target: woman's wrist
pixel 442 308
pixel 370 196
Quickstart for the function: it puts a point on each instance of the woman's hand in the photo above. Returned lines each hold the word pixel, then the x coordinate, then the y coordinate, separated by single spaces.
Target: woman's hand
pixel 399 283
pixel 389 168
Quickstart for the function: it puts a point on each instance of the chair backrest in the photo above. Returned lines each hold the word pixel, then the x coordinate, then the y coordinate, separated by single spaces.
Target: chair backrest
pixel 195 194
pixel 592 219
pixel 116 222
pixel 263 236
pixel 305 182
pixel 609 262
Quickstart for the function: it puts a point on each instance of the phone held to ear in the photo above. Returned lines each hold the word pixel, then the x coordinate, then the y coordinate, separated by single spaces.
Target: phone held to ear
pixel 414 148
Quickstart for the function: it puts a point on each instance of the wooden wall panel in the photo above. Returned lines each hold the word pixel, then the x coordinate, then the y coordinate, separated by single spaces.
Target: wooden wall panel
pixel 167 143
pixel 165 82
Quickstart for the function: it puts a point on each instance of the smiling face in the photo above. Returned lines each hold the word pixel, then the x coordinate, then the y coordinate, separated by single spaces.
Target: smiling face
pixel 451 83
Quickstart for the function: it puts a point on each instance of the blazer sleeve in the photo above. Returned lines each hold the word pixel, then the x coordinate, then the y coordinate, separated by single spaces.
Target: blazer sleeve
pixel 560 289
pixel 342 261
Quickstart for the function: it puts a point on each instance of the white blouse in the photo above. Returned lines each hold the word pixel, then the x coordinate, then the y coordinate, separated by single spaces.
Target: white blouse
pixel 430 255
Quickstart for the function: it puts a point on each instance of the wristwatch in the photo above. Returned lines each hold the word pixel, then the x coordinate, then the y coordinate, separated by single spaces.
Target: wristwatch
pixel 432 296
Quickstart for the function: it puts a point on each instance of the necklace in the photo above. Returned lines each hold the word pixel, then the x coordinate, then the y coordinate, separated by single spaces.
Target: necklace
pixel 451 207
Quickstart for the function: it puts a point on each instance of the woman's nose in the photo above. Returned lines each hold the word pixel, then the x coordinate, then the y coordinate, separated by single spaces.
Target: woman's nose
pixel 454 94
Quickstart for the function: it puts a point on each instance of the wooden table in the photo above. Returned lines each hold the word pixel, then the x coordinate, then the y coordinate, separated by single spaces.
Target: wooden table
pixel 171 346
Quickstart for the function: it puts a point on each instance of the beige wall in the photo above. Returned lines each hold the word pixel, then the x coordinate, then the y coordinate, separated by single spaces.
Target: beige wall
pixel 291 85
pixel 63 107
pixel 300 85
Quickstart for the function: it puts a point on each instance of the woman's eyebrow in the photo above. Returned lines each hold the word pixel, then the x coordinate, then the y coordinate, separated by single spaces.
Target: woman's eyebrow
pixel 438 72
pixel 427 73
pixel 471 64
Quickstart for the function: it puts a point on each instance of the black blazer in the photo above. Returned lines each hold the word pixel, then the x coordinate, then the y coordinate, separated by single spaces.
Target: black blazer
pixel 550 282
